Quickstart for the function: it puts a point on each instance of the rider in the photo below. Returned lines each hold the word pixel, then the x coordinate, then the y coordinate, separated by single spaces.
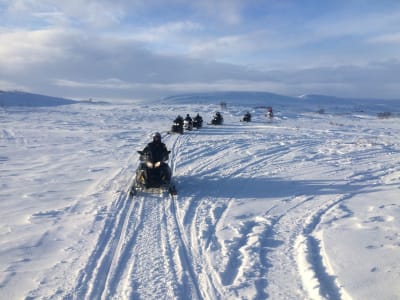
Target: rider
pixel 157 149
pixel 198 118
pixel 159 153
pixel 270 113
pixel 179 120
pixel 188 118
pixel 218 116
pixel 247 116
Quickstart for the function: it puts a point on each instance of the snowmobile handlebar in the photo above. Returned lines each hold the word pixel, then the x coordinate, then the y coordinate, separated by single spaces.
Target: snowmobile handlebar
pixel 145 156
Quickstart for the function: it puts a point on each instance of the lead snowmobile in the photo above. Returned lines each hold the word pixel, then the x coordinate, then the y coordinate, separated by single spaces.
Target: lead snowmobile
pixel 153 176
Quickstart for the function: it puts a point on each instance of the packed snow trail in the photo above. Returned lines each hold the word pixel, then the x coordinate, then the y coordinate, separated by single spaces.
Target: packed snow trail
pixel 140 253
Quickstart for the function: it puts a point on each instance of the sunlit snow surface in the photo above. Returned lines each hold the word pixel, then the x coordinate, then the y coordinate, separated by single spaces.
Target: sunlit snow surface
pixel 303 206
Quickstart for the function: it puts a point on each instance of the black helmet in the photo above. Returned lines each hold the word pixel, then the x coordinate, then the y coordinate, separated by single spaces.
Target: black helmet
pixel 157 137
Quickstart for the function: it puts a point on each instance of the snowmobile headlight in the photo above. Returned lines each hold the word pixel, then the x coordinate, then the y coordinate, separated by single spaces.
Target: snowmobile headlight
pixel 149 164
pixel 157 164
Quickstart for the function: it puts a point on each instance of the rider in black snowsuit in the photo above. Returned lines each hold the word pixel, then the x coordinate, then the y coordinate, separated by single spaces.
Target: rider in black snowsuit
pixel 158 153
pixel 198 118
pixel 217 118
pixel 157 149
pixel 247 117
pixel 179 120
pixel 197 121
pixel 189 119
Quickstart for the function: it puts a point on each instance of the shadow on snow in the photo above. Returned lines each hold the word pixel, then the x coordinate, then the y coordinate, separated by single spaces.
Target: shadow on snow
pixel 239 187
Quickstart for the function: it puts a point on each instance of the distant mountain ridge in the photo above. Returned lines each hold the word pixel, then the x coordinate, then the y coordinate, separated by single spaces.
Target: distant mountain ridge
pixel 268 99
pixel 19 98
pixel 249 98
pixel 253 98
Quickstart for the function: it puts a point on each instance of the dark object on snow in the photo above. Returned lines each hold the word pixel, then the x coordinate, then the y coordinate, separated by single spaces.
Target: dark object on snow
pixel 246 117
pixel 153 172
pixel 177 126
pixel 269 113
pixel 384 115
pixel 197 121
pixel 188 123
pixel 218 119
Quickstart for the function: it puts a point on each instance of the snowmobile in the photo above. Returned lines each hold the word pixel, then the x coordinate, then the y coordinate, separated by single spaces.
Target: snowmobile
pixel 246 117
pixel 177 128
pixel 153 176
pixel 187 125
pixel 217 120
pixel 269 113
pixel 198 122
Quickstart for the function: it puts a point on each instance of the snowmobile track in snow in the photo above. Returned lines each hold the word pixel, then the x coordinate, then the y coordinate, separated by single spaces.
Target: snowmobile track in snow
pixel 152 246
pixel 104 265
pixel 138 251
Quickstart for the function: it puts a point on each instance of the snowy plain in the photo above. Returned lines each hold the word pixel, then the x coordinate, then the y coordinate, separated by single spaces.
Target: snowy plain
pixel 303 206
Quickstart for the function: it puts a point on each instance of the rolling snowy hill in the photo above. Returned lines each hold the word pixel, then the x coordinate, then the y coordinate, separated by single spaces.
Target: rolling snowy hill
pixel 18 98
pixel 303 206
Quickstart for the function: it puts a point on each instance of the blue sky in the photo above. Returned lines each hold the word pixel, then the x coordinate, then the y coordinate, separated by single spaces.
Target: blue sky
pixel 125 49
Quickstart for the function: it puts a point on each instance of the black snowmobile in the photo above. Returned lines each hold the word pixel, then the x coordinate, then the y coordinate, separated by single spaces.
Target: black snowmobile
pixel 153 176
pixel 177 126
pixel 197 121
pixel 246 117
pixel 188 123
pixel 218 119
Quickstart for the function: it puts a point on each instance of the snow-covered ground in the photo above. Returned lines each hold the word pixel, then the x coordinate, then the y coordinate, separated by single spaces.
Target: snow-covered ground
pixel 303 206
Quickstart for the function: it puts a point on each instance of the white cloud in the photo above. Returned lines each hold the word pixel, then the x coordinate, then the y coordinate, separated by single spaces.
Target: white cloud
pixel 216 48
pixel 9 86
pixel 225 11
pixel 390 38
pixel 81 46
pixel 20 50
pixel 168 32
pixel 90 12
pixel 361 25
